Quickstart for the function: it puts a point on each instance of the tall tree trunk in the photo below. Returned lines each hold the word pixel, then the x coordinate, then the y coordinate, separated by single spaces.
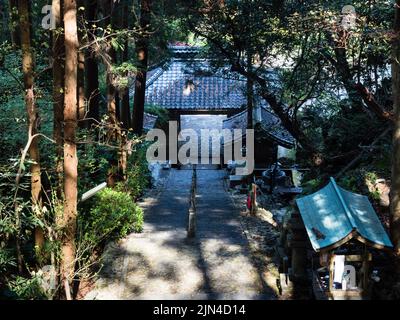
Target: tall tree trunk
pixel 247 11
pixel 113 131
pixel 118 24
pixel 357 92
pixel 58 105
pixel 58 87
pixel 125 115
pixel 91 68
pixel 277 106
pixel 4 22
pixel 82 112
pixel 395 189
pixel 343 70
pixel 372 104
pixel 250 93
pixel 33 117
pixel 70 150
pixel 111 92
pixel 125 106
pixel 142 51
pixel 117 104
pixel 14 26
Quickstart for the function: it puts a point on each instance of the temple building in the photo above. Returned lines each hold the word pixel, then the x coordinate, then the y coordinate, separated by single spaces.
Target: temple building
pixel 199 99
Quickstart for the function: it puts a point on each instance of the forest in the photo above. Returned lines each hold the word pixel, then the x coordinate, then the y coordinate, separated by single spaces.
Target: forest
pixel 75 82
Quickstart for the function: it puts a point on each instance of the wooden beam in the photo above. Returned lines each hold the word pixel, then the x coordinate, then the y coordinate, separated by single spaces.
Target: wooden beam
pixel 356 258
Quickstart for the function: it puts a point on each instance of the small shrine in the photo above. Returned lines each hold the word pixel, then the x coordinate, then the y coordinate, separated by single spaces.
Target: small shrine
pixel 334 235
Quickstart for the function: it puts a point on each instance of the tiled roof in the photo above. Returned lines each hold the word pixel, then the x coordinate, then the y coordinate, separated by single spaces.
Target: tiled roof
pixel 238 121
pixel 176 85
pixel 184 50
pixel 149 121
pixel 270 126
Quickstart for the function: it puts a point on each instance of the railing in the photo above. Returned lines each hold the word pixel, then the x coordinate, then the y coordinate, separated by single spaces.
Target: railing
pixel 191 229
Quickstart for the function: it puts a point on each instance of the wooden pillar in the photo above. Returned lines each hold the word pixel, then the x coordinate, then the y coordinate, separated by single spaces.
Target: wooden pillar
pixel 331 270
pixel 299 260
pixel 173 116
pixel 365 269
pixel 298 241
pixel 253 199
pixel 191 232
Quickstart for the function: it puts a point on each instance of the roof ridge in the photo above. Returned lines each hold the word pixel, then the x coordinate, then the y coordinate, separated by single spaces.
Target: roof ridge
pixel 346 209
pixel 157 74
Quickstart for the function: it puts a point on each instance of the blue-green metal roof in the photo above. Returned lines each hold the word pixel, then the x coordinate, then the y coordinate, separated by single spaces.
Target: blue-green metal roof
pixel 333 216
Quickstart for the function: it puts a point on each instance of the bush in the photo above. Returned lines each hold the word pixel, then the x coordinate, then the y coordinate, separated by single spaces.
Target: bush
pixel 312 186
pixel 7 261
pixel 25 289
pixel 138 173
pixel 113 216
pixel 93 162
pixel 137 182
pixel 350 182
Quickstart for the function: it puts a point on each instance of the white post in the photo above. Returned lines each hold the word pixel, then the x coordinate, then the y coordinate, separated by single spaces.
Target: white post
pixel 93 191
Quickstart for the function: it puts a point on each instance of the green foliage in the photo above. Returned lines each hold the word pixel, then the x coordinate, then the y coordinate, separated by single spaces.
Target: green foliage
pixel 138 174
pixel 375 195
pixel 123 73
pixel 294 40
pixel 7 222
pixel 371 176
pixel 361 180
pixel 170 27
pixel 138 171
pixel 311 185
pixel 13 123
pixel 7 260
pixel 13 119
pixel 346 131
pixel 113 216
pixel 350 183
pixel 26 289
pixel 137 181
pixel 93 162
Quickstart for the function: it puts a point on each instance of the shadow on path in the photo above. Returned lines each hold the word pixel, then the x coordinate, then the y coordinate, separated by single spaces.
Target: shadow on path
pixel 161 263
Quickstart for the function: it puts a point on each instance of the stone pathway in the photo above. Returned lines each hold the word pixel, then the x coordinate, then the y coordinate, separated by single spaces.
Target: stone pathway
pixel 161 263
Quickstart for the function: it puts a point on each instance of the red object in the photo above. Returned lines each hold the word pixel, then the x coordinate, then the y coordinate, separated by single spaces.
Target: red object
pixel 249 202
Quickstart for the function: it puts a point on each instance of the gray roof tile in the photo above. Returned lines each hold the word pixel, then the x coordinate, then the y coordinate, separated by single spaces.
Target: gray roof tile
pixel 270 125
pixel 149 121
pixel 175 86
